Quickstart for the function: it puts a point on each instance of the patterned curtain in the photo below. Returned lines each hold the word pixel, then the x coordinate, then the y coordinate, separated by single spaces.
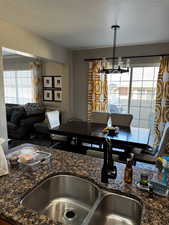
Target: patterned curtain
pixel 36 67
pixel 97 89
pixel 162 99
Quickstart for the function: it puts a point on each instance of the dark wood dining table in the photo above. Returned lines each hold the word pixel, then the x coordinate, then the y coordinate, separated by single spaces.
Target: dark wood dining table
pixel 126 137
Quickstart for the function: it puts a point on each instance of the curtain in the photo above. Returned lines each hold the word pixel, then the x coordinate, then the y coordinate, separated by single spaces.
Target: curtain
pixel 162 100
pixel 36 68
pixel 97 89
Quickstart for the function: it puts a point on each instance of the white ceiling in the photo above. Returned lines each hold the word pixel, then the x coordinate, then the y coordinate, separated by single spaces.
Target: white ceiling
pixel 86 23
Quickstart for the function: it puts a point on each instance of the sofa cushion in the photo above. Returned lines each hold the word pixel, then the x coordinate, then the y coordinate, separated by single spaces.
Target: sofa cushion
pixel 34 109
pixel 8 113
pixel 42 128
pixel 10 108
pixel 11 126
pixel 19 107
pixel 17 115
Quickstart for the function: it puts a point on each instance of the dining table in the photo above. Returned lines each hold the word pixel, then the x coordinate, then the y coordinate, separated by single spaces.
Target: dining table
pixel 126 138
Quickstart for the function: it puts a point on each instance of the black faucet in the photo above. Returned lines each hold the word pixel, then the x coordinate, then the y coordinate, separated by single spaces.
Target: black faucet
pixel 109 170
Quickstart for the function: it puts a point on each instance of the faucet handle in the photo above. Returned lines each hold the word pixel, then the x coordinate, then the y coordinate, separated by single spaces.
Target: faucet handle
pixel 107 173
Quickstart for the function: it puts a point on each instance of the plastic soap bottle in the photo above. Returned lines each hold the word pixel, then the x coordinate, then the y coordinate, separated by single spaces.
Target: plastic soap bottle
pixel 128 173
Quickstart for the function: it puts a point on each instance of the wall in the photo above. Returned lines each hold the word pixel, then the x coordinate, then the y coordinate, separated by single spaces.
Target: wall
pixel 52 68
pixel 3 131
pixel 14 37
pixel 80 69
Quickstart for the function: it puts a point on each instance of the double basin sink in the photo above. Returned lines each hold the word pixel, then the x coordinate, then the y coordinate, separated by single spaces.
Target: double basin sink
pixel 73 200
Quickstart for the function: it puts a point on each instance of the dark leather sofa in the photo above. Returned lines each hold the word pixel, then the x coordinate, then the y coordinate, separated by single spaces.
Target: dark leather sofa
pixel 21 119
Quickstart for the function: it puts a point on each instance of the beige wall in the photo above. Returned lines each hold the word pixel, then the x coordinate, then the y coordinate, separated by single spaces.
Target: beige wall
pixel 16 38
pixel 52 68
pixel 80 69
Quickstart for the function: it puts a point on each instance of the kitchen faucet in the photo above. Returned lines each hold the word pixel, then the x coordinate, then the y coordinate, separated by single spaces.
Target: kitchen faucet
pixel 109 170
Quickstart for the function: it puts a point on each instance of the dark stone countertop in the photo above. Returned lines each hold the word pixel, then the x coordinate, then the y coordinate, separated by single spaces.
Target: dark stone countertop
pixel 14 186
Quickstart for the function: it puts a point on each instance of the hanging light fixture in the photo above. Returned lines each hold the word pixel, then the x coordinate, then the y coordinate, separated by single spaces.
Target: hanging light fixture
pixel 120 67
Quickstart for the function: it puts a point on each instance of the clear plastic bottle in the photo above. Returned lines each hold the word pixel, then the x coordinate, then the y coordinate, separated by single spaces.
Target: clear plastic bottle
pixel 109 122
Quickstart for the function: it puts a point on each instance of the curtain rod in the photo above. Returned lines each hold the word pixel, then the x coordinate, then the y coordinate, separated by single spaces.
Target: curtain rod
pixel 126 57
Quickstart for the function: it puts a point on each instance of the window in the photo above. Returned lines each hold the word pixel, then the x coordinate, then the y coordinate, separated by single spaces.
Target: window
pixel 134 93
pixel 18 86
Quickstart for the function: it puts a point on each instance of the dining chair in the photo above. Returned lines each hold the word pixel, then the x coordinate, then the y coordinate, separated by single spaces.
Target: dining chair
pixel 164 143
pixel 53 118
pixel 121 119
pixel 99 117
pixel 118 119
pixel 149 156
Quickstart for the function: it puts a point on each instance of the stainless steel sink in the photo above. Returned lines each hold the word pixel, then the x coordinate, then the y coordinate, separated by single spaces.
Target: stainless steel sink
pixel 117 209
pixel 64 198
pixel 73 200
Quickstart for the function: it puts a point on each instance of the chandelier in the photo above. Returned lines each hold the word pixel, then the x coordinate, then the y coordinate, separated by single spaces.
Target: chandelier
pixel 120 66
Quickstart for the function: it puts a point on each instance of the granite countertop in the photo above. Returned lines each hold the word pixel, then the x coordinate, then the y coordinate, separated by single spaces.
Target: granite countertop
pixel 14 186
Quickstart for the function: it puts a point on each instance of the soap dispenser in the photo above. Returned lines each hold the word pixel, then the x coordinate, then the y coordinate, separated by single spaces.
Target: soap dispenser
pixel 128 172
pixel 3 161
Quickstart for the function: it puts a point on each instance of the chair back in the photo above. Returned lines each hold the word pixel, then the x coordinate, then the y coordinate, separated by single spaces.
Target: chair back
pixel 163 148
pixel 120 119
pixel 53 118
pixel 99 117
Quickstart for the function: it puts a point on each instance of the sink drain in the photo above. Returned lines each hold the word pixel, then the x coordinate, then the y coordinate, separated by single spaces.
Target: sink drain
pixel 70 215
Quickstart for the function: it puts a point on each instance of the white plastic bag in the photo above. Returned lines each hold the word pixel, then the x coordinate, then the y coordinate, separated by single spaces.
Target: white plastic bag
pixel 3 162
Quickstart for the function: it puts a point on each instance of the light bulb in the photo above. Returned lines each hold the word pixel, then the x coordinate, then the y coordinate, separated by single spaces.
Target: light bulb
pixel 128 63
pixel 120 62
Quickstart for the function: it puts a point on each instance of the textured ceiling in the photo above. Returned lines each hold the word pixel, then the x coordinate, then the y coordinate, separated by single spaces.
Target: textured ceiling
pixel 86 23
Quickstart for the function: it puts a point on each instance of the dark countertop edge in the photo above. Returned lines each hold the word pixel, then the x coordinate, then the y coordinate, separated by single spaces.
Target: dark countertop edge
pixel 9 220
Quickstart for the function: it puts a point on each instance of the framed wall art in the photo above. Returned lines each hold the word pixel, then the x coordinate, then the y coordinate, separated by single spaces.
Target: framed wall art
pixel 52 88
pixel 57 82
pixel 47 81
pixel 47 95
pixel 57 96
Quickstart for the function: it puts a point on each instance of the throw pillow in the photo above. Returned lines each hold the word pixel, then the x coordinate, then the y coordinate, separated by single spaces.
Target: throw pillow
pixel 34 109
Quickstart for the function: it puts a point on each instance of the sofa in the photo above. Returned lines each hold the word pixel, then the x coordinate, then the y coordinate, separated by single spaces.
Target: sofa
pixel 21 119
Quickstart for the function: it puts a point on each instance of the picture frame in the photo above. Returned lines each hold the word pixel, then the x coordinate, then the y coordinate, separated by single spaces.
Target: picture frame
pixel 57 95
pixel 47 95
pixel 47 81
pixel 58 82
